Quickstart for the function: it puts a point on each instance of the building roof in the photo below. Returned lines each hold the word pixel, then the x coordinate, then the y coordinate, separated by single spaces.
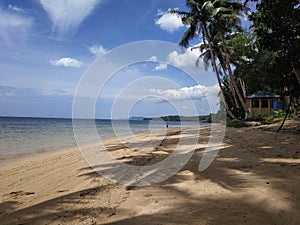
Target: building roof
pixel 263 94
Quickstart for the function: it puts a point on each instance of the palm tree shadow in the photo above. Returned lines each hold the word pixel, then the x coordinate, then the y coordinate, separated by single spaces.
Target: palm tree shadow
pixel 239 169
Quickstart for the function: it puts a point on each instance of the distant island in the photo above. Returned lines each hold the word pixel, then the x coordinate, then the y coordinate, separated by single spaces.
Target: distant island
pixel 137 118
pixel 213 117
pixel 202 119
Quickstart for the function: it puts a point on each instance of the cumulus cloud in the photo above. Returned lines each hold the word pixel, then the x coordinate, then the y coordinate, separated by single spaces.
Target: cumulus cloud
pixel 194 92
pixel 67 16
pixel 13 27
pixel 67 62
pixel 198 92
pixel 161 66
pixel 187 61
pixel 168 22
pixel 97 50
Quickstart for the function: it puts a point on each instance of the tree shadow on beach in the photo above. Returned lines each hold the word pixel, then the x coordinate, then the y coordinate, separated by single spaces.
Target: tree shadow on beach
pixel 273 167
pixel 57 210
pixel 251 183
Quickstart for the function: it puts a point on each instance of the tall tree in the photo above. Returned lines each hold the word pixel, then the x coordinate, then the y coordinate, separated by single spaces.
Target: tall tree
pixel 276 24
pixel 213 21
pixel 223 23
pixel 254 67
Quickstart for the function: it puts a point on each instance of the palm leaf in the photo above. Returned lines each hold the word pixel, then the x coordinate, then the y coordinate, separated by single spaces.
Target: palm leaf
pixel 187 36
pixel 220 9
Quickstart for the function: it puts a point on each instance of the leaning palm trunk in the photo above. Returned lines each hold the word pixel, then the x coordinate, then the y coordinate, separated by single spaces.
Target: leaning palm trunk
pixel 203 24
pixel 232 78
pixel 232 90
pixel 222 93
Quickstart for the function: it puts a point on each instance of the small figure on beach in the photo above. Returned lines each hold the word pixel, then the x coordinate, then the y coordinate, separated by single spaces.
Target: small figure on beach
pixel 167 125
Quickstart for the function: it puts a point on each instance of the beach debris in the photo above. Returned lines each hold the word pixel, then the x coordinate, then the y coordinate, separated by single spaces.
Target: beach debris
pixel 130 187
pixel 60 191
pixel 17 193
pixel 252 123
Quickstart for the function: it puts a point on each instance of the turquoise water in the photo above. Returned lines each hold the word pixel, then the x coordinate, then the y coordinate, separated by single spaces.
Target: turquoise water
pixel 22 137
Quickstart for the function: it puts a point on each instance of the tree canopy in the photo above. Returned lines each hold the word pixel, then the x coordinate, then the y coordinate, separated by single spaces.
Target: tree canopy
pixel 262 57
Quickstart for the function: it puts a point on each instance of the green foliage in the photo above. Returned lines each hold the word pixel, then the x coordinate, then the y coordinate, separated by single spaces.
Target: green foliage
pixel 265 56
pixel 279 113
pixel 276 25
pixel 237 111
pixel 255 68
pixel 213 22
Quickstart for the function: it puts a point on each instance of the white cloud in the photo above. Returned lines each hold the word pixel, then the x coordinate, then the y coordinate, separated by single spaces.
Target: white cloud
pixel 183 60
pixel 194 92
pixel 15 8
pixel 67 15
pixel 161 66
pixel 13 27
pixel 153 58
pixel 210 93
pixel 97 50
pixel 56 92
pixel 67 62
pixel 168 22
pixel 187 61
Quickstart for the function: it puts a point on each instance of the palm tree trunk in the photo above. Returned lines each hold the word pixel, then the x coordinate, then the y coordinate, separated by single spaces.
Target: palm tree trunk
pixel 222 94
pixel 232 78
pixel 203 24
pixel 231 89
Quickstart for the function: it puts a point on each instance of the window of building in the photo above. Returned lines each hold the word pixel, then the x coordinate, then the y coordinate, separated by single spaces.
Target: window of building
pixel 265 104
pixel 255 103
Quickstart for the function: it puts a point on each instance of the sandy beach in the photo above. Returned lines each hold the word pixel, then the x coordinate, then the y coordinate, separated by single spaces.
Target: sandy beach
pixel 255 179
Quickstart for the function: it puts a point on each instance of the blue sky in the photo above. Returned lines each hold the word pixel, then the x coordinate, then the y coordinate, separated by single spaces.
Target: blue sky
pixel 47 47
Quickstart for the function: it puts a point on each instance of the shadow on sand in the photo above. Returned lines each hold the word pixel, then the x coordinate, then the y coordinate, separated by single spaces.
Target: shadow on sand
pixel 252 182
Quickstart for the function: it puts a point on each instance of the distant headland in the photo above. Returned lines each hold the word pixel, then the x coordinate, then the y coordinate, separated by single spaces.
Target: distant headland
pixel 203 119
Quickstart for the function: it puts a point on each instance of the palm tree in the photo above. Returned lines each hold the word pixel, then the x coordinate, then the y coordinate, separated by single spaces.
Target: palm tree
pixel 224 21
pixel 197 19
pixel 204 18
pixel 205 55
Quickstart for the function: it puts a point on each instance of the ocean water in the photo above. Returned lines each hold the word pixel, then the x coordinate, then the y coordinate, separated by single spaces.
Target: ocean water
pixel 22 137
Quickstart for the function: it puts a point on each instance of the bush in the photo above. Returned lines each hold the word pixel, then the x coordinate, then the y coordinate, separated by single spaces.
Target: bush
pixel 279 113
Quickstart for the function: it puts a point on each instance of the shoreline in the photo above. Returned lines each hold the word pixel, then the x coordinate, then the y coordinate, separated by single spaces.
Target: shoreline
pixel 19 157
pixel 254 180
pixel 39 153
pixel 6 158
